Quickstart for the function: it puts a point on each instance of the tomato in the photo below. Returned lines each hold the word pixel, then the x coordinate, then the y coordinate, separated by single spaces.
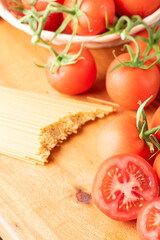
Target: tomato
pixel 148 221
pixel 95 12
pixel 53 21
pixel 121 135
pixel 156 166
pixel 74 78
pixel 128 85
pixel 155 122
pixel 136 7
pixel 143 45
pixel 123 183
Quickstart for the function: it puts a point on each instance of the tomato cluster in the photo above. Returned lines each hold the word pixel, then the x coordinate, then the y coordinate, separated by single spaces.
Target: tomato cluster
pixel 126 186
pixel 132 81
pixel 86 18
pixel 53 21
pixel 92 23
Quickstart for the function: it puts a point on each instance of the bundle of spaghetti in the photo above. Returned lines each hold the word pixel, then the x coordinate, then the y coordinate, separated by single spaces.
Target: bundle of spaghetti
pixel 32 124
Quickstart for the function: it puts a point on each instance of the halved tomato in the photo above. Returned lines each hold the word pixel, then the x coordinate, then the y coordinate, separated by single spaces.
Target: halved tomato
pixel 148 221
pixel 122 185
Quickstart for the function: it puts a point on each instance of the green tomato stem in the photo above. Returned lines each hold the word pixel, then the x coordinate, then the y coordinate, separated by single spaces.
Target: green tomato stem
pixel 151 131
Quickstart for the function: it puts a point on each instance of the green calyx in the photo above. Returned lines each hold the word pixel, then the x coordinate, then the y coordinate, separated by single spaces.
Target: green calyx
pixel 123 27
pixel 62 59
pixel 36 21
pixel 144 133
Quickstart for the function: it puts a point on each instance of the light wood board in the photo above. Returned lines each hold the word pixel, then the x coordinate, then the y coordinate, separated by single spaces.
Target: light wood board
pixel 53 202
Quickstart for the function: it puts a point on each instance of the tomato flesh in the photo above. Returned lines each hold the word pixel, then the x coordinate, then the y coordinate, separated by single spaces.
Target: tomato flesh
pixel 122 185
pixel 148 222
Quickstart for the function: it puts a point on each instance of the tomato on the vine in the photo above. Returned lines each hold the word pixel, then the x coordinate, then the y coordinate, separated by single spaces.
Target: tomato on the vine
pixel 155 122
pixel 122 185
pixel 95 12
pixel 121 135
pixel 136 7
pixel 143 45
pixel 53 21
pixel 74 78
pixel 129 85
pixel 148 221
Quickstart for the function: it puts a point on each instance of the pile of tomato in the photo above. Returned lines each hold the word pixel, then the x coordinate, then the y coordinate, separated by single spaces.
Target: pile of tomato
pixel 124 82
pixel 126 185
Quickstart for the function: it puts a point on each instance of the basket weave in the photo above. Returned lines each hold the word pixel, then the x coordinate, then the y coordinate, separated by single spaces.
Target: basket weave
pixel 89 41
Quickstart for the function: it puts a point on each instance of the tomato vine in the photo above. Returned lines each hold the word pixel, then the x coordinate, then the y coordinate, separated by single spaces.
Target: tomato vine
pixel 144 133
pixel 122 27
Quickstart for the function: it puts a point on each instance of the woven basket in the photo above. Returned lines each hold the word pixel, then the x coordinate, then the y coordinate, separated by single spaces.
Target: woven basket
pixel 109 40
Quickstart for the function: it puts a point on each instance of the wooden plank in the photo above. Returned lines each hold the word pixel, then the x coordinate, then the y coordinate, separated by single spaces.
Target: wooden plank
pixel 53 202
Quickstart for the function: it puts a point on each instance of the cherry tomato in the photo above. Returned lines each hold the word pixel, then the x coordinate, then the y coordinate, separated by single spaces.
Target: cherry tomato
pixel 127 85
pixel 122 185
pixel 143 45
pixel 156 166
pixel 148 220
pixel 53 21
pixel 74 78
pixel 121 135
pixel 136 7
pixel 155 122
pixel 95 12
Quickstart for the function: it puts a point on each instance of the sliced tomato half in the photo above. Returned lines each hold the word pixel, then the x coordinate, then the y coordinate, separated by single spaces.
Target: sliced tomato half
pixel 148 221
pixel 122 185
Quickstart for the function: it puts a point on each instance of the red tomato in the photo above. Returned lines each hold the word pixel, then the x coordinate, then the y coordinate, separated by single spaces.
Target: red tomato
pixel 126 85
pixel 95 12
pixel 148 225
pixel 136 7
pixel 74 78
pixel 122 185
pixel 121 135
pixel 143 45
pixel 155 122
pixel 53 21
pixel 156 166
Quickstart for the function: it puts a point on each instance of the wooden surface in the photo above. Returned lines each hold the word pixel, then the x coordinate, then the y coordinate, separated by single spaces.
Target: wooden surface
pixel 53 202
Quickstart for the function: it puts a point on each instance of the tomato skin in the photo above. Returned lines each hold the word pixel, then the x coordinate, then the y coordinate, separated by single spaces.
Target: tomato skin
pixel 155 122
pixel 117 189
pixel 95 11
pixel 146 221
pixel 53 21
pixel 136 7
pixel 75 78
pixel 120 135
pixel 156 166
pixel 143 45
pixel 126 85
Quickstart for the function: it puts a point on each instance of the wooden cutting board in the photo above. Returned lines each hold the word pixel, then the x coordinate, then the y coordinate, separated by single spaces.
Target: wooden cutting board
pixel 53 202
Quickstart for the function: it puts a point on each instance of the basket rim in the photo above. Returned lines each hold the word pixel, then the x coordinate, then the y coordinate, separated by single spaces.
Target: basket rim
pixel 110 39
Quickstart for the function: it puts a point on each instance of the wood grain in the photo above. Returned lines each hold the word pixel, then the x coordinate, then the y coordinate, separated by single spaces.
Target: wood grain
pixel 54 202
